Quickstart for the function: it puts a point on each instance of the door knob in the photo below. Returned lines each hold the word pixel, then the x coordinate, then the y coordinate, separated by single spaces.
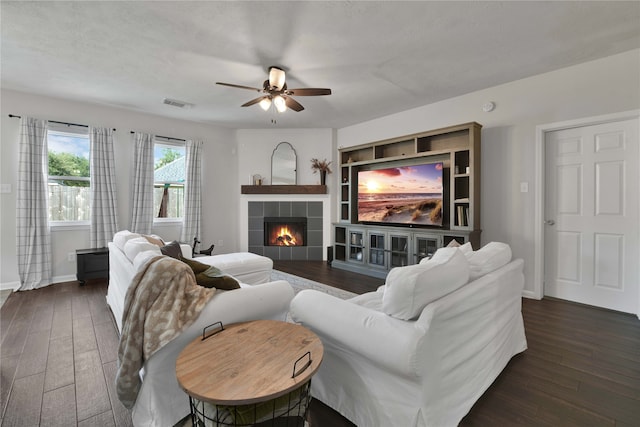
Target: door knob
pixel 550 222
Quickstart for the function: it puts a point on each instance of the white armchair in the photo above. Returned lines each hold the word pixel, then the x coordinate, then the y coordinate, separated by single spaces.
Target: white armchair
pixel 381 370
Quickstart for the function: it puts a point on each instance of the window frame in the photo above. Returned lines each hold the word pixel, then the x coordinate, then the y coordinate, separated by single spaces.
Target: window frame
pixel 63 130
pixel 159 141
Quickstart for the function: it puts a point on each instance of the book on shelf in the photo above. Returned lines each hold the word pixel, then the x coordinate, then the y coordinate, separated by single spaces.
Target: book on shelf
pixel 463 215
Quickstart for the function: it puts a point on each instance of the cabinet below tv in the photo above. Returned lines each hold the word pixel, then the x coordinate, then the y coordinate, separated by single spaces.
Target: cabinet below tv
pixel 375 249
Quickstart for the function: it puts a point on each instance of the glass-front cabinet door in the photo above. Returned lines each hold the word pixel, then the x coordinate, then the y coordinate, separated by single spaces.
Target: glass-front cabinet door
pixel 425 246
pixel 356 245
pixel 376 250
pixel 399 252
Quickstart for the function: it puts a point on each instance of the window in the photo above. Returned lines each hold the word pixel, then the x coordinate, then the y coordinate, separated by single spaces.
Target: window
pixel 169 174
pixel 68 181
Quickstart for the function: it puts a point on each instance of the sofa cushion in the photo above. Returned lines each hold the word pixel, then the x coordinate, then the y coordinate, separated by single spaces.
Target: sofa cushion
pixel 409 289
pixel 241 264
pixel 490 257
pixel 143 257
pixel 139 244
pixel 172 249
pixel 209 276
pixel 122 237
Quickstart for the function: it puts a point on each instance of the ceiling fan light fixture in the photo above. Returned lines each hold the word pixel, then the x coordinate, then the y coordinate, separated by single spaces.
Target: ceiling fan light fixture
pixel 274 93
pixel 265 104
pixel 276 78
pixel 280 104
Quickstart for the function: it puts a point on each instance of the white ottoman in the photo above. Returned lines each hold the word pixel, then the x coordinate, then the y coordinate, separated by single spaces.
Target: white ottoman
pixel 247 267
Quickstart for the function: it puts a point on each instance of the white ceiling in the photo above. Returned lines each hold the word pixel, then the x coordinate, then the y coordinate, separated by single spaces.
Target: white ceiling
pixel 378 58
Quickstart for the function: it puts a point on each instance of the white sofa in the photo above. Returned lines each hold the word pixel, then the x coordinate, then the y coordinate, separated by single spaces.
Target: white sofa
pixel 426 360
pixel 247 268
pixel 161 401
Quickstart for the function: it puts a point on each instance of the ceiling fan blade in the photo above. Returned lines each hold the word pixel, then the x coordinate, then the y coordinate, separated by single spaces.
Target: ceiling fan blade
pixel 254 101
pixel 309 91
pixel 239 86
pixel 293 104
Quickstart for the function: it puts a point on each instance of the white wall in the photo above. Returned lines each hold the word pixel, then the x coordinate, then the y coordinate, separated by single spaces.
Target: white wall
pixel 594 88
pixel 219 175
pixel 255 147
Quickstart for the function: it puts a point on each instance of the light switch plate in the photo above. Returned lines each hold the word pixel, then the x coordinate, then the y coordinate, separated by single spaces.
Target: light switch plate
pixel 524 187
pixel 5 188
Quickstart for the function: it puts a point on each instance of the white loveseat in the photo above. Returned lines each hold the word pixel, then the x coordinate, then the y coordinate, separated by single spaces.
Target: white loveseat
pixel 129 250
pixel 161 401
pixel 422 349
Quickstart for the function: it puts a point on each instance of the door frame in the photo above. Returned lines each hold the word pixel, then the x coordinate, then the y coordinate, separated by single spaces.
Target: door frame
pixel 541 131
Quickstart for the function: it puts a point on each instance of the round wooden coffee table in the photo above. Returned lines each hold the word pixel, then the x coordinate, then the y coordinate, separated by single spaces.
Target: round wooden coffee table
pixel 250 368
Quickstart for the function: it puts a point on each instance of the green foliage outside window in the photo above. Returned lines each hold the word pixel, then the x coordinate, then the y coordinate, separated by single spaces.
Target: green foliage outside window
pixel 68 164
pixel 168 156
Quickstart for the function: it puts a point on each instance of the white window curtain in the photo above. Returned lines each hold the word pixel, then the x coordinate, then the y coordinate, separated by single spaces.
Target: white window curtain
pixel 33 236
pixel 104 209
pixel 142 203
pixel 192 191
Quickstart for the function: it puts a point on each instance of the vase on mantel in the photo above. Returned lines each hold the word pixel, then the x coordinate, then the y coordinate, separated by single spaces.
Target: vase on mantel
pixel 323 177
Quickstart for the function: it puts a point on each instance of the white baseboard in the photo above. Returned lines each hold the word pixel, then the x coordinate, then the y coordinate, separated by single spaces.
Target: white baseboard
pixel 62 279
pixel 14 286
pixel 529 294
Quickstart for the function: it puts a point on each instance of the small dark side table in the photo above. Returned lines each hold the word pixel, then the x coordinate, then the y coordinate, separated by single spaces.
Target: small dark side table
pixel 92 264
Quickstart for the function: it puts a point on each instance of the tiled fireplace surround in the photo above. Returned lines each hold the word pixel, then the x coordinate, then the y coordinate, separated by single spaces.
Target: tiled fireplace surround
pixel 312 210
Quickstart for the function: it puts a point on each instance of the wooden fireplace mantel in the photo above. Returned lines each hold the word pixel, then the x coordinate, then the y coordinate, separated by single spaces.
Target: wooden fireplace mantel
pixel 283 189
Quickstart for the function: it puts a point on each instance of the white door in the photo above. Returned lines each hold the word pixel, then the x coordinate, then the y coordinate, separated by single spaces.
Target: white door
pixel 591 215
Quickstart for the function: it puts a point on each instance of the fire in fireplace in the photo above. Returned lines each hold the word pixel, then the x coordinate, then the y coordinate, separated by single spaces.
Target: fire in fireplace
pixel 285 231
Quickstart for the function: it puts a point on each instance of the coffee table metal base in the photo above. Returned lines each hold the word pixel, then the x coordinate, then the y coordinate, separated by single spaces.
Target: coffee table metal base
pixel 289 410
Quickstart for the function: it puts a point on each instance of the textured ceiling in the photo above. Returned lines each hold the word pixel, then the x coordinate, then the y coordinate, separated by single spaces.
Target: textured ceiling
pixel 378 58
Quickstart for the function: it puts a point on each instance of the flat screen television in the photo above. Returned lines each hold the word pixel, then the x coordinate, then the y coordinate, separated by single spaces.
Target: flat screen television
pixel 408 195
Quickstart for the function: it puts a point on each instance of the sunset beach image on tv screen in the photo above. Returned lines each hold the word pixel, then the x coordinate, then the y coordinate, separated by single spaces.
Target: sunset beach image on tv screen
pixel 401 195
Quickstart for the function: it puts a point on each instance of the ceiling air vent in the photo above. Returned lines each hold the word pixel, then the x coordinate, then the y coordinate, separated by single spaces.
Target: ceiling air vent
pixel 176 103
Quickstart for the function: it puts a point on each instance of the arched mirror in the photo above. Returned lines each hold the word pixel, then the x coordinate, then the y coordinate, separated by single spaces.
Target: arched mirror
pixel 283 165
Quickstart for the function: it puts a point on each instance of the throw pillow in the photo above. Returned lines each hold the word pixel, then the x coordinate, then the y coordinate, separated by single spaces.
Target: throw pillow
pixel 196 266
pixel 466 248
pixel 156 240
pixel 453 244
pixel 488 258
pixel 409 289
pixel 209 276
pixel 172 249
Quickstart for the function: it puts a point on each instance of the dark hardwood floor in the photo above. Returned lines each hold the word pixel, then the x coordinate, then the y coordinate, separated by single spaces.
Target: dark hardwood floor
pixel 321 272
pixel 58 362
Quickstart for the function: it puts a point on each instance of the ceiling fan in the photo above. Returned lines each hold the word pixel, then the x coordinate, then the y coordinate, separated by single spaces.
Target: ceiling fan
pixel 275 91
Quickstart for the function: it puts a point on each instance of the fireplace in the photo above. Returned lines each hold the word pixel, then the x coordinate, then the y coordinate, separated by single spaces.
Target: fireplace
pixel 285 231
pixel 259 213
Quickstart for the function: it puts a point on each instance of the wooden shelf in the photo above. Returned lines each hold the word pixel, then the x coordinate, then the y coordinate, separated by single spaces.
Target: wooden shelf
pixel 283 189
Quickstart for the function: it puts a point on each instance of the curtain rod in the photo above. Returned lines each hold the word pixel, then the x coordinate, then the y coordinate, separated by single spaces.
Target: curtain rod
pixel 60 123
pixel 166 137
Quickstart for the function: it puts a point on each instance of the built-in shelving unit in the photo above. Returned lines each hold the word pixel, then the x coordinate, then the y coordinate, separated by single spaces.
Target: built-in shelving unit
pixel 458 147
